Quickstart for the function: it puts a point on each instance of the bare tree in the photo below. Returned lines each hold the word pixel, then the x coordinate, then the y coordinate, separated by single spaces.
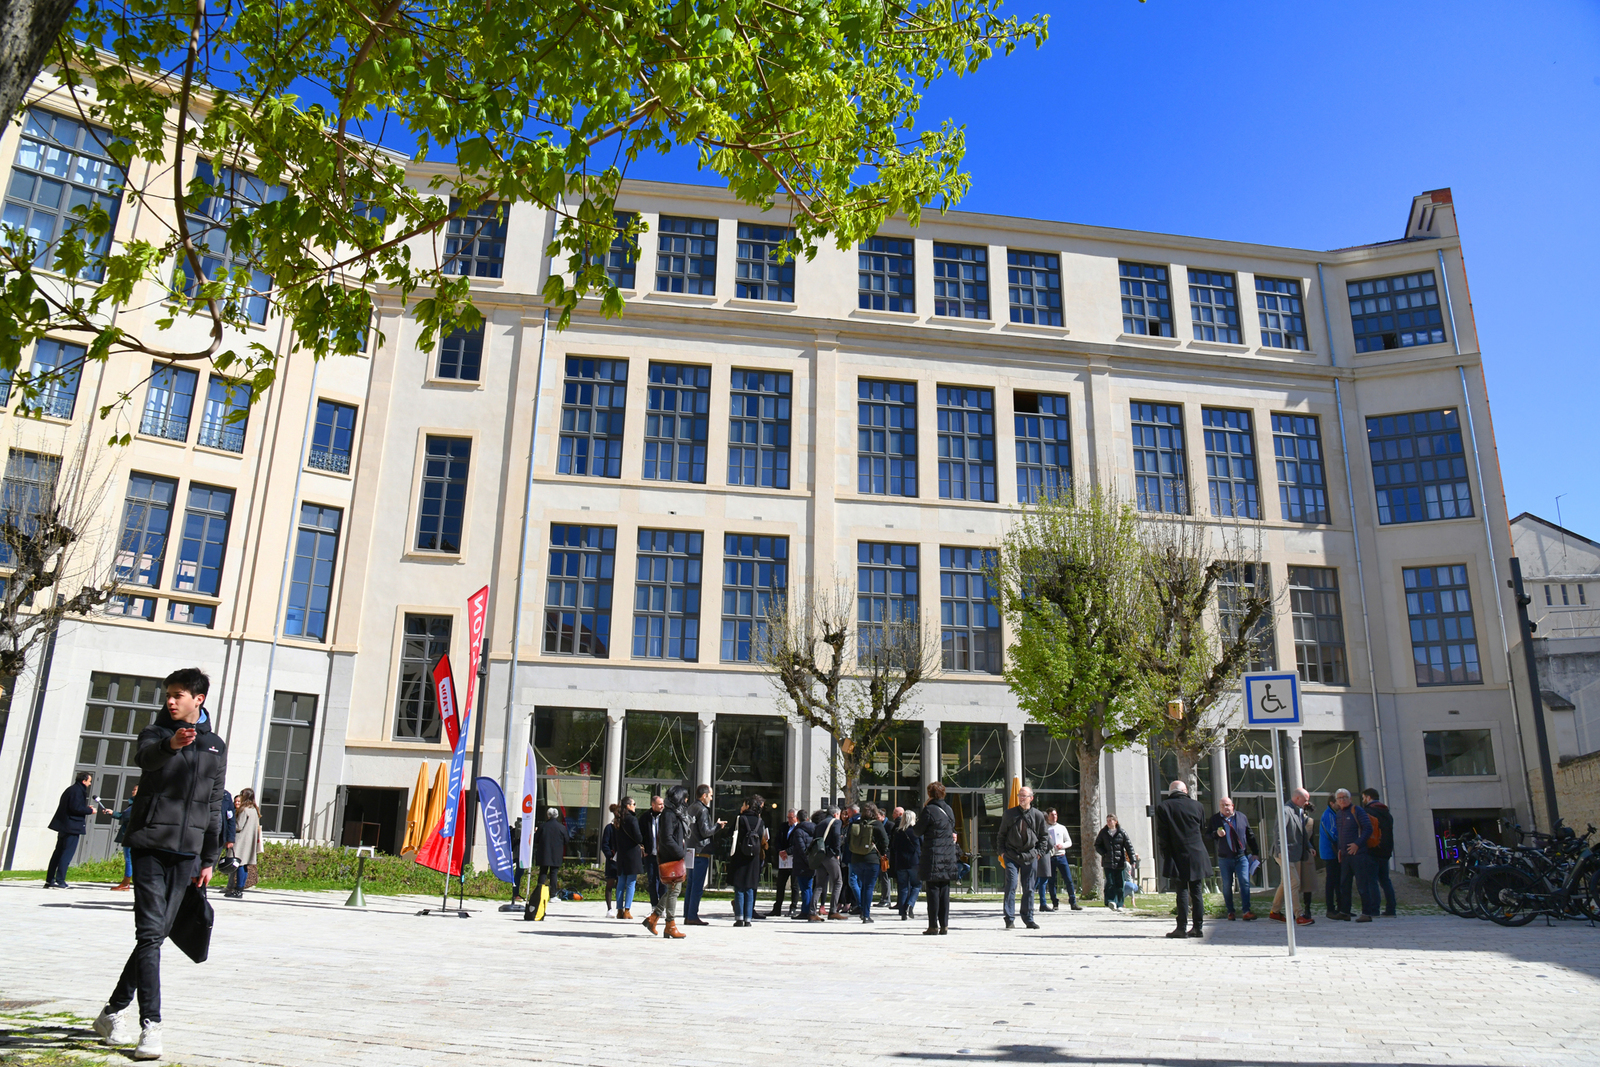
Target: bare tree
pixel 1209 616
pixel 852 680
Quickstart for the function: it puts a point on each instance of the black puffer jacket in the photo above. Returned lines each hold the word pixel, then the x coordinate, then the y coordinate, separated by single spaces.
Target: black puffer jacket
pixel 179 806
pixel 941 860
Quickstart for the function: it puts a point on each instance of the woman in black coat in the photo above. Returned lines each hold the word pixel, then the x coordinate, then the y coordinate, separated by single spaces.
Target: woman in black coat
pixel 608 849
pixel 940 857
pixel 672 845
pixel 630 857
pixel 905 855
pixel 744 864
pixel 1116 853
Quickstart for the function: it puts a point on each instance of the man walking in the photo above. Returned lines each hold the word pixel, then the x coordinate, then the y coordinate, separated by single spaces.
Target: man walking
pixel 70 824
pixel 175 832
pixel 1383 820
pixel 1236 846
pixel 1299 863
pixel 1352 828
pixel 1059 865
pixel 1024 837
pixel 702 828
pixel 1184 860
pixel 784 875
pixel 649 826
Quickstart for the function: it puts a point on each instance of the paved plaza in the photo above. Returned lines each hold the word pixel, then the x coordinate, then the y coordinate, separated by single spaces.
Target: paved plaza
pixel 296 979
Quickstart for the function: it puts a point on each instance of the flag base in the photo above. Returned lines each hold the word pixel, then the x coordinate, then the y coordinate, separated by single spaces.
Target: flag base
pixel 448 913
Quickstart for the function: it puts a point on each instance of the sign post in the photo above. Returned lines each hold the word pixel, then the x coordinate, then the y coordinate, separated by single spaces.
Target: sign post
pixel 1272 699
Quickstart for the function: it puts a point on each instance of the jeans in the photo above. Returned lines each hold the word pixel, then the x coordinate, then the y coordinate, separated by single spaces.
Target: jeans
pixel 744 903
pixel 907 889
pixel 61 859
pixel 1059 867
pixel 864 883
pixel 829 881
pixel 1357 869
pixel 1235 867
pixel 1330 885
pixel 159 882
pixel 241 874
pixel 1189 901
pixel 1381 880
pixel 127 864
pixel 1115 888
pixel 804 886
pixel 938 905
pixel 697 886
pixel 1019 872
pixel 626 883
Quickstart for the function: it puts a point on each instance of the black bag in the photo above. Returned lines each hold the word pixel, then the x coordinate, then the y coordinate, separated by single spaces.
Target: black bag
pixel 817 851
pixel 749 843
pixel 1020 837
pixel 191 929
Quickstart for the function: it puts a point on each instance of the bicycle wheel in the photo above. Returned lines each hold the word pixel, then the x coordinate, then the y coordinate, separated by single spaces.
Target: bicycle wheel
pixel 1504 894
pixel 1462 899
pixel 1591 899
pixel 1444 881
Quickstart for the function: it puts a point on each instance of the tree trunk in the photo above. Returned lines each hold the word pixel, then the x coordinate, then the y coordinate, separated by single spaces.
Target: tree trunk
pixel 28 30
pixel 1091 816
pixel 1188 771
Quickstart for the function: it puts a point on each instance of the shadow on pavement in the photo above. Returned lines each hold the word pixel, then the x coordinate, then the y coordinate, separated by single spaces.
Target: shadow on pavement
pixel 1052 1054
pixel 35 1038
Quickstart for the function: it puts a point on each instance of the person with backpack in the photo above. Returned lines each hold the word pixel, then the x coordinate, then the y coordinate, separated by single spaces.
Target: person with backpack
pixel 869 844
pixel 1382 852
pixel 823 855
pixel 1024 837
pixel 1353 831
pixel 703 831
pixel 941 857
pixel 748 844
pixel 804 877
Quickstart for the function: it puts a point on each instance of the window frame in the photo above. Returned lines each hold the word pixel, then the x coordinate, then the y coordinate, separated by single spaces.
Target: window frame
pixel 748 284
pixel 1136 321
pixel 58 397
pixel 1256 580
pixel 1290 484
pixel 961 281
pixel 224 432
pixel 1433 754
pixel 957 612
pixel 207 538
pixel 893 261
pixel 575 413
pixel 1307 604
pixel 128 576
pixel 665 378
pixel 780 400
pixel 321 536
pixel 603 582
pixel 425 696
pixel 334 429
pixel 1214 306
pixel 1025 439
pixel 208 229
pixel 460 349
pixel 1388 472
pixel 1425 641
pixel 680 594
pixel 109 195
pixel 475 243
pixel 1171 488
pixel 871 595
pixel 745 602
pixel 423 479
pixel 981 472
pixel 1235 430
pixel 1026 312
pixel 698 241
pixel 1378 299
pixel 867 476
pixel 1272 317
pixel 160 422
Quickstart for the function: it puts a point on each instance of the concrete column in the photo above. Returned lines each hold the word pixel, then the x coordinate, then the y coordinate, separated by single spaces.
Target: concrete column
pixel 703 751
pixel 1293 770
pixel 930 756
pixel 1013 755
pixel 611 780
pixel 1219 777
pixel 794 740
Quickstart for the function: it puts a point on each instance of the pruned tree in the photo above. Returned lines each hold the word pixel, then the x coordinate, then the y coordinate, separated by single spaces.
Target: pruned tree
pixel 852 679
pixel 1069 580
pixel 1208 619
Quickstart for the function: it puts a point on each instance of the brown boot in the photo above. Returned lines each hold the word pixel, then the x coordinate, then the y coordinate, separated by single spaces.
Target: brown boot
pixel 127 883
pixel 673 931
pixel 650 924
pixel 626 913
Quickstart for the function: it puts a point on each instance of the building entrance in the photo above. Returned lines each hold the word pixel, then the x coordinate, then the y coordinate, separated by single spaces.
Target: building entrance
pixel 1250 777
pixel 120 705
pixel 972 765
pixel 658 750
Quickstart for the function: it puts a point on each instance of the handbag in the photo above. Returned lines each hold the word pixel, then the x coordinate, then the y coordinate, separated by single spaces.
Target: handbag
pixel 672 872
pixel 883 863
pixel 191 927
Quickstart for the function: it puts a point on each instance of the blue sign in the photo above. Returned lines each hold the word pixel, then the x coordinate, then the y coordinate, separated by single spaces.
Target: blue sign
pixel 1272 699
pixel 452 798
pixel 497 829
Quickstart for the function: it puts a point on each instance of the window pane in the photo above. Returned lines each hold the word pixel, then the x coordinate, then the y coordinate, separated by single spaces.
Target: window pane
pixel 666 610
pixel 1283 323
pixel 426 638
pixel 1160 468
pixel 592 407
pixel 578 590
pixel 686 256
pixel 1034 283
pixel 966 444
pixel 968 616
pixel 1213 306
pixel 676 422
pixel 755 569
pixel 887 279
pixel 961 281
pixel 1044 455
pixel 1455 753
pixel 1418 466
pixel 763 272
pixel 1231 463
pixel 1397 312
pixel 1297 450
pixel 1146 299
pixel 444 493
pixel 886 448
pixel 475 244
pixel 1444 642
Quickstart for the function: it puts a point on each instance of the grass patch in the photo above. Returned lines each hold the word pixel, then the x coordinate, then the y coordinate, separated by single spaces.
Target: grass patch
pixel 53 1039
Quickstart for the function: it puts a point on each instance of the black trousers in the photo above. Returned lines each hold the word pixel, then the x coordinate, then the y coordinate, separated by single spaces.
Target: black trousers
pixel 936 898
pixel 159 882
pixel 652 869
pixel 1330 886
pixel 61 859
pixel 782 876
pixel 1189 901
pixel 547 876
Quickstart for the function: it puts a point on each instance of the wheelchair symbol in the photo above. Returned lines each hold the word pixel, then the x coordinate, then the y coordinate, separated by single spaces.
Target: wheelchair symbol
pixel 1269 701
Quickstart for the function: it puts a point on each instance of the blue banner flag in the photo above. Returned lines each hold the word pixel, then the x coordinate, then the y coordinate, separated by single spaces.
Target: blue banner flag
pixel 496 828
pixel 452 799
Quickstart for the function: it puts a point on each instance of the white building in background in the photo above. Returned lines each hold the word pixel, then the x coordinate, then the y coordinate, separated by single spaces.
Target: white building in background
pixel 873 414
pixel 1561 573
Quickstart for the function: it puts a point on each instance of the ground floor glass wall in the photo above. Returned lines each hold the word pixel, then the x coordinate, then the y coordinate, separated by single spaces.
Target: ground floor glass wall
pixel 569 753
pixel 891 776
pixel 972 766
pixel 658 750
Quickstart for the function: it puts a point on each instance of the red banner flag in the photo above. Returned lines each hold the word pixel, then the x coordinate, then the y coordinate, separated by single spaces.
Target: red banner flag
pixel 477 617
pixel 444 688
pixel 440 851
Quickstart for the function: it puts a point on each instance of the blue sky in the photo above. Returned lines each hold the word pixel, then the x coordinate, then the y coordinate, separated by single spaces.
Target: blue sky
pixel 1313 125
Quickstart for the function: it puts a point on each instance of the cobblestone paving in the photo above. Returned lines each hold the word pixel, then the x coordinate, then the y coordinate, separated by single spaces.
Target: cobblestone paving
pixel 297 979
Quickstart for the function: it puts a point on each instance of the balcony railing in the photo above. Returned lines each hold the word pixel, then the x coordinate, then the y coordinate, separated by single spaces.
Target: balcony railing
pixel 58 404
pixel 227 436
pixel 172 427
pixel 337 462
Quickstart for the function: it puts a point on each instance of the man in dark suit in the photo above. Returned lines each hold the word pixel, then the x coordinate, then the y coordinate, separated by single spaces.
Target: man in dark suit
pixel 70 824
pixel 1180 822
pixel 649 823
pixel 783 846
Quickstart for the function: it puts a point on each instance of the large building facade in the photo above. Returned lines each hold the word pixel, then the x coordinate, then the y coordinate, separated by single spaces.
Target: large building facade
pixel 634 490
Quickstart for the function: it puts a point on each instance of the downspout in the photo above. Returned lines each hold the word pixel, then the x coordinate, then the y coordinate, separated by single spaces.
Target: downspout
pixel 1488 537
pixel 1355 531
pixel 522 565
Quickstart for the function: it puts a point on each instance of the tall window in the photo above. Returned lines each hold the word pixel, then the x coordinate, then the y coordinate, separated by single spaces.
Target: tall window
pixel 235 193
pixel 1318 625
pixel 676 420
pixel 29 489
pixel 1237 586
pixel 592 408
pixel 1034 281
pixel 169 402
pixel 577 616
pixel 288 764
pixel 1160 469
pixel 444 493
pixel 758 429
pixel 62 164
pixel 61 364
pixel 1044 455
pixel 764 272
pixel 461 354
pixel 1146 300
pixel 425 639
pixel 886 587
pixel 686 257
pixel 961 281
pixel 222 420
pixel 1418 467
pixel 333 438
pixel 621 258
pixel 969 618
pixel 666 595
pixel 146 523
pixel 887 279
pixel 1231 463
pixel 1297 448
pixel 1213 306
pixel 1283 322
pixel 316 546
pixel 1444 641
pixel 1396 312
pixel 204 541
pixel 754 570
pixel 886 419
pixel 966 444
pixel 475 244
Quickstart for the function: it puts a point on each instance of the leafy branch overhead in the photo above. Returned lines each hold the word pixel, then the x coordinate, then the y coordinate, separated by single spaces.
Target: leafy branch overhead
pixel 269 138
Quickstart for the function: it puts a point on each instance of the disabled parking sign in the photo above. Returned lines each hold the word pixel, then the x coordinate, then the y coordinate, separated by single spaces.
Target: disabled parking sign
pixel 1272 699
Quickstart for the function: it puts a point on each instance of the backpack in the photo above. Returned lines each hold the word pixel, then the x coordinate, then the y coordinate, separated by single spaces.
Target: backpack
pixel 817 851
pixel 749 843
pixel 1020 837
pixel 1375 838
pixel 861 838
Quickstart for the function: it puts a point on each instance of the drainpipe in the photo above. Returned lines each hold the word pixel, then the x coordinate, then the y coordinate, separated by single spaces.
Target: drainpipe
pixel 522 566
pixel 1355 530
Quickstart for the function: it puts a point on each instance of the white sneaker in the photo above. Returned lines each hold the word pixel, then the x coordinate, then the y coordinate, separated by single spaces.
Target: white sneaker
pixel 114 1028
pixel 149 1043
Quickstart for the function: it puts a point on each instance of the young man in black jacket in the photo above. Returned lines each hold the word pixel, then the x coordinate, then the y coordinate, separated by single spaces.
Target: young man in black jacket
pixel 702 828
pixel 175 832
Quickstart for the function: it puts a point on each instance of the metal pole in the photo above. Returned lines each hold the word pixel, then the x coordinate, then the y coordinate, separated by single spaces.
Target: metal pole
pixel 1541 736
pixel 522 570
pixel 33 738
pixel 477 761
pixel 1283 837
